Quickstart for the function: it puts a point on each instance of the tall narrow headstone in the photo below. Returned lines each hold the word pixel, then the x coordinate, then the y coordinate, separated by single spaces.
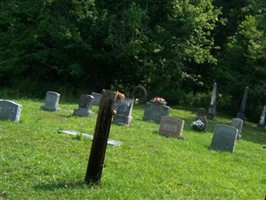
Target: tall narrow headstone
pixel 123 111
pixel 212 108
pixel 51 101
pixel 262 121
pixel 85 104
pixel 237 123
pixel 241 113
pixel 10 110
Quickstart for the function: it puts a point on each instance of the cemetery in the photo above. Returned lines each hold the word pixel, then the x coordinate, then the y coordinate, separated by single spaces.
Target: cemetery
pixel 133 100
pixel 58 153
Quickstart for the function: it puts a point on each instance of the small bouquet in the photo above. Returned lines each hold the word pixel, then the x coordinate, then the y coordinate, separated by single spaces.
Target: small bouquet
pixel 198 125
pixel 158 100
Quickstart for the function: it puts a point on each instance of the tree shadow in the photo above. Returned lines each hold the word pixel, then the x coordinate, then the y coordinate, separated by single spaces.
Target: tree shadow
pixel 63 185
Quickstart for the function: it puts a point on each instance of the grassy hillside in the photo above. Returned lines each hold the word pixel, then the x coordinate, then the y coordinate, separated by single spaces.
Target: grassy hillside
pixel 38 163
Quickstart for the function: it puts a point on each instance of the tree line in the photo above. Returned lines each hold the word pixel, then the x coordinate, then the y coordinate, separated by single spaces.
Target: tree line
pixel 176 48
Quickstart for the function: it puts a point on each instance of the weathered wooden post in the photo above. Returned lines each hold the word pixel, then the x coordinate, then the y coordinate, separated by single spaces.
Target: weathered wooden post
pixel 100 138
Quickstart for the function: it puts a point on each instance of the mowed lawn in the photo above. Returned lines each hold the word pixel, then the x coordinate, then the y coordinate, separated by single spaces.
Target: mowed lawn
pixel 38 163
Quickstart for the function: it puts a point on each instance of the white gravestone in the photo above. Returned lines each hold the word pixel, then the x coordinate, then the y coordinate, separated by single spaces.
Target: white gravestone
pixel 171 127
pixel 10 110
pixel 51 101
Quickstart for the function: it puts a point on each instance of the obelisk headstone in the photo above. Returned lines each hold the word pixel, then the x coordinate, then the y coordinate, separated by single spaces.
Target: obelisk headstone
pixel 212 108
pixel 262 121
pixel 241 113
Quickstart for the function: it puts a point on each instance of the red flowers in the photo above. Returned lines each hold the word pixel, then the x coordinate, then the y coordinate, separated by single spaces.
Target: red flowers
pixel 158 100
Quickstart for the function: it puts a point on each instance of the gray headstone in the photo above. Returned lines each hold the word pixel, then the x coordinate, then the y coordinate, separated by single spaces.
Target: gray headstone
pixel 51 101
pixel 154 111
pixel 212 108
pixel 224 138
pixel 10 110
pixel 96 98
pixel 85 104
pixel 171 126
pixel 201 115
pixel 123 109
pixel 237 123
pixel 241 113
pixel 262 121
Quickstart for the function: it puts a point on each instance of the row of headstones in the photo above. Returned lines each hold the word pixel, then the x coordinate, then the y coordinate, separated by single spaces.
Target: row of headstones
pixel 153 111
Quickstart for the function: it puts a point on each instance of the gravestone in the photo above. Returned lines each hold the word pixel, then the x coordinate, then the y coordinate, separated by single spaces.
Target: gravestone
pixel 201 115
pixel 85 104
pixel 171 126
pixel 224 138
pixel 237 123
pixel 10 110
pixel 241 113
pixel 123 109
pixel 51 101
pixel 212 108
pixel 96 98
pixel 154 111
pixel 262 121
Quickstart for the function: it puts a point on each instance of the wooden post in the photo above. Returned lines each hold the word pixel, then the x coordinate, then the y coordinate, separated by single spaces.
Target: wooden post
pixel 100 138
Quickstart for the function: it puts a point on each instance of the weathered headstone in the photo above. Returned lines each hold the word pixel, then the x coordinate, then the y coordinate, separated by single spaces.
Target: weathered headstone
pixel 10 110
pixel 96 98
pixel 154 111
pixel 237 123
pixel 85 104
pixel 212 108
pixel 123 111
pixel 262 121
pixel 241 113
pixel 51 101
pixel 171 126
pixel 201 115
pixel 224 138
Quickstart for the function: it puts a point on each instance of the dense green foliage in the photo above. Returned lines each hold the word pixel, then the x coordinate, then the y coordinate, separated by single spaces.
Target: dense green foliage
pixel 176 48
pixel 38 163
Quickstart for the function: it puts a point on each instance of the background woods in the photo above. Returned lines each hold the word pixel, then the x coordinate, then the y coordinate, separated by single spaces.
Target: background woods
pixel 176 48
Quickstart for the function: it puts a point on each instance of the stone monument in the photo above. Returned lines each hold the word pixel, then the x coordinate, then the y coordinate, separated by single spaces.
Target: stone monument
pixel 10 110
pixel 85 104
pixel 51 101
pixel 241 113
pixel 212 108
pixel 123 109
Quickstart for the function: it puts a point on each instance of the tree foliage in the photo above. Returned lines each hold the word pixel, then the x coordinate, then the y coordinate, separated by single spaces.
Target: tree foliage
pixel 173 47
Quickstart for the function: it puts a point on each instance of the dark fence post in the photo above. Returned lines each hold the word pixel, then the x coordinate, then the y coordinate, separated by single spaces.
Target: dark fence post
pixel 99 143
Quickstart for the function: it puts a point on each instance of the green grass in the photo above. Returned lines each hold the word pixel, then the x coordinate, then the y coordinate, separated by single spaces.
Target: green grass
pixel 38 163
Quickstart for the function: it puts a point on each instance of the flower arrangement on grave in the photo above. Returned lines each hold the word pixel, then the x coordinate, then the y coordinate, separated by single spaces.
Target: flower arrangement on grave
pixel 158 100
pixel 198 125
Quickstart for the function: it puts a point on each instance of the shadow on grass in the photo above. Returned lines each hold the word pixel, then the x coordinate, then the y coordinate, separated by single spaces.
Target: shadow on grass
pixel 63 185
